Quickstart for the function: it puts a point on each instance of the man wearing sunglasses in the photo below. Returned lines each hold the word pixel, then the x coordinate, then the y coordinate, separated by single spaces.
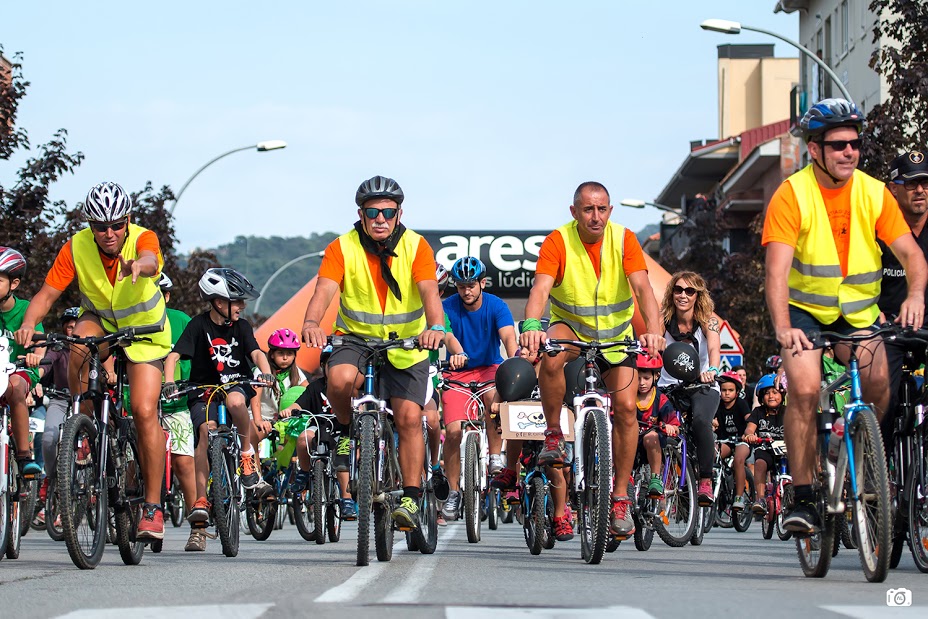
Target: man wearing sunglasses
pixel 908 174
pixel 824 272
pixel 116 265
pixel 385 276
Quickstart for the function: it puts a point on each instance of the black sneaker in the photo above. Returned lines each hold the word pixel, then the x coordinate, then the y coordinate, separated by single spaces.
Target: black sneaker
pixel 440 484
pixel 406 514
pixel 300 482
pixel 555 451
pixel 342 452
pixel 803 519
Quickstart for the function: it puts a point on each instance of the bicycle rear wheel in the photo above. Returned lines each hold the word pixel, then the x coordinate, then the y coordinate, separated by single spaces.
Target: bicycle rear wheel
pixel 129 485
pixel 534 523
pixel 815 551
pixel 595 495
pixel 742 521
pixel 84 513
pixel 224 496
pixel 303 516
pixel 260 515
pixel 677 521
pixel 383 518
pixel 365 486
pixel 15 511
pixel 472 488
pixel 493 508
pixel 333 514
pixel 53 513
pixel 176 502
pixel 872 515
pixel 918 501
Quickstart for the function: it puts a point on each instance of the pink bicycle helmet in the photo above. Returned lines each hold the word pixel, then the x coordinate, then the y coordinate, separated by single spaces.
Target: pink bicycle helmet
pixel 284 338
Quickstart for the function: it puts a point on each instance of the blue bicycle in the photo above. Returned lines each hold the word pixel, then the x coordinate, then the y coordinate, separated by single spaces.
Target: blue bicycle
pixel 860 465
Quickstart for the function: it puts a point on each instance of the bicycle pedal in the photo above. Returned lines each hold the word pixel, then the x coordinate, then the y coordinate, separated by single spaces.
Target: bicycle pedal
pixel 620 538
pixel 405 529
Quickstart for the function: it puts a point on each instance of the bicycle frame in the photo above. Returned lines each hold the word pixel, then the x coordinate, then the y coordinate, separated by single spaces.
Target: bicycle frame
pixel 836 472
pixel 473 425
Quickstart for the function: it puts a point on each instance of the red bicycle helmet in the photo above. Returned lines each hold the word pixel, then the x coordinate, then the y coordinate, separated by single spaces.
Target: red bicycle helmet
pixel 731 377
pixel 646 363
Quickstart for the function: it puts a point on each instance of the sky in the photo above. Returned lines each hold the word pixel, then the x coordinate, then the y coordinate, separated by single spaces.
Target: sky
pixel 488 114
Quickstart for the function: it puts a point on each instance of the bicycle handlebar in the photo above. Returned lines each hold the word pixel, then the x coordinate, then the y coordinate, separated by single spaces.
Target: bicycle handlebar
pixel 409 343
pixel 127 333
pixel 191 387
pixel 555 346
pixel 820 338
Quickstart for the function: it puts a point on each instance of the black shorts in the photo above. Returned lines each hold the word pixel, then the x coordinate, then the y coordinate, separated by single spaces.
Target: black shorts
pixel 198 411
pixel 604 364
pixel 765 455
pixel 408 384
pixel 807 323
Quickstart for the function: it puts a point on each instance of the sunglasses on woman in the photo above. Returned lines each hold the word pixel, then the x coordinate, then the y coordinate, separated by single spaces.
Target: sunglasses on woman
pixel 372 213
pixel 103 226
pixel 688 291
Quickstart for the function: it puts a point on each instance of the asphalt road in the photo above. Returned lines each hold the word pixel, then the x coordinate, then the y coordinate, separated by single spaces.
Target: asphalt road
pixel 731 574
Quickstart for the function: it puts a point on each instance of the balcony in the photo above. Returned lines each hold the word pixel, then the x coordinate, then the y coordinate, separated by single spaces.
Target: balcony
pixel 789 6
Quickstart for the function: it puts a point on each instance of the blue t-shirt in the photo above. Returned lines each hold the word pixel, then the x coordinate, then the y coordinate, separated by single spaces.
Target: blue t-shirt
pixel 478 331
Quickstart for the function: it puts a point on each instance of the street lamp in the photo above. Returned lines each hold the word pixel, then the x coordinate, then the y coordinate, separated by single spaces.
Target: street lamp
pixel 274 275
pixel 261 147
pixel 732 27
pixel 633 203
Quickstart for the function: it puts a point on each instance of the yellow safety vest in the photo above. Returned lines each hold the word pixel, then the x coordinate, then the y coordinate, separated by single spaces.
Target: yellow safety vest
pixel 124 304
pixel 816 283
pixel 359 297
pixel 595 308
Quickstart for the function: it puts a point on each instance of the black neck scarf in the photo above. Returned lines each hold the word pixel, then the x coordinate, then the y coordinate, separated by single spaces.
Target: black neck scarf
pixel 383 251
pixel 689 336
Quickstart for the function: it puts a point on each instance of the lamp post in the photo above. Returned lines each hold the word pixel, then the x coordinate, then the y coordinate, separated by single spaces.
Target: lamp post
pixel 261 147
pixel 634 203
pixel 283 267
pixel 732 27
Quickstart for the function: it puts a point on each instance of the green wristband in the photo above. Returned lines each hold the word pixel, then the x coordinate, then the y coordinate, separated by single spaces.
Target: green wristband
pixel 531 324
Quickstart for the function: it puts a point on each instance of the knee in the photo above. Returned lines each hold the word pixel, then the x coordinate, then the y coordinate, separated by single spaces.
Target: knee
pixel 235 401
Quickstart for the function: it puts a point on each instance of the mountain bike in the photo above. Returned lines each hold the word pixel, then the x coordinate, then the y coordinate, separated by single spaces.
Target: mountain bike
pixel 679 510
pixel 98 463
pixel 723 485
pixel 908 464
pixel 536 502
pixel 646 509
pixel 861 465
pixel 374 475
pixel 474 451
pixel 425 538
pixel 592 465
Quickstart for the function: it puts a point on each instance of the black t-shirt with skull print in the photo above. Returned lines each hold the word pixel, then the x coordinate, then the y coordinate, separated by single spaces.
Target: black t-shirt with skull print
pixel 218 354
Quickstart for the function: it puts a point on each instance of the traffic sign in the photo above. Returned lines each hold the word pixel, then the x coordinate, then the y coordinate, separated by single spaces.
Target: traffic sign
pixel 730 361
pixel 729 344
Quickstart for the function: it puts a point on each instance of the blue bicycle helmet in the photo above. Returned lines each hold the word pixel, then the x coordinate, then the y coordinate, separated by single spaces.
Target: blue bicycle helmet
pixel 766 382
pixel 467 270
pixel 829 114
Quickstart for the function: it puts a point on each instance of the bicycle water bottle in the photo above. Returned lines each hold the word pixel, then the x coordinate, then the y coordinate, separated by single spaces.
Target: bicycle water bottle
pixel 834 441
pixel 221 413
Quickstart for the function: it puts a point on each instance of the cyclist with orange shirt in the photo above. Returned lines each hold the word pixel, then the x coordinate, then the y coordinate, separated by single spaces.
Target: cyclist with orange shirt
pixel 385 275
pixel 593 299
pixel 823 272
pixel 116 264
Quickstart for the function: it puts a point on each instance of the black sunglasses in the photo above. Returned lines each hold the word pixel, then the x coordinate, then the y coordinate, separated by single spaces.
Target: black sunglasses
pixel 840 145
pixel 688 291
pixel 372 213
pixel 913 184
pixel 103 226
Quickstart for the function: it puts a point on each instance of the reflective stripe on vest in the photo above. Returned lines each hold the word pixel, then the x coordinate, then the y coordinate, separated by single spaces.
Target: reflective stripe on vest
pixel 359 296
pixel 595 308
pixel 122 304
pixel 816 284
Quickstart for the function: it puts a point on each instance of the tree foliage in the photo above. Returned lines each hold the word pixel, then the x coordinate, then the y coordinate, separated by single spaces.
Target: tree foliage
pixel 38 227
pixel 901 122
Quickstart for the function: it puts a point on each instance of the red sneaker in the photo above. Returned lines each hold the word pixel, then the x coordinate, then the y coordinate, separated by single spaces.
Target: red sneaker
pixel 151 525
pixel 563 529
pixel 555 451
pixel 506 480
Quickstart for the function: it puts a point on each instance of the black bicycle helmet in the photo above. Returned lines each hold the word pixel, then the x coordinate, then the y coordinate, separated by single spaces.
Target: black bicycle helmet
pixel 829 114
pixel 379 187
pixel 225 283
pixel 575 380
pixel 72 313
pixel 515 379
pixel 682 361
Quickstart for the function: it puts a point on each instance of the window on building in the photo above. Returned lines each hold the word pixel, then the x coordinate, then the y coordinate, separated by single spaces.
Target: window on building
pixel 845 27
pixel 818 74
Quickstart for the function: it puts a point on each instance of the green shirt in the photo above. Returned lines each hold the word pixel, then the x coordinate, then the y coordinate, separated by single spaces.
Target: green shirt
pixel 11 321
pixel 178 321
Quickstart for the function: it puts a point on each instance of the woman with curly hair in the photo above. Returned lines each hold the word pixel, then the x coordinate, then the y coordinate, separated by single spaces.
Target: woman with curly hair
pixel 687 310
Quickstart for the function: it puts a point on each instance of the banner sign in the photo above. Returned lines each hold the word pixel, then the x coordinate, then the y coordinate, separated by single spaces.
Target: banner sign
pixel 510 256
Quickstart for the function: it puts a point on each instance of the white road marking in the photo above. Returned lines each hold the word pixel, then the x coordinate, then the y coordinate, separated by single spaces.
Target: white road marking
pixel 350 589
pixel 408 591
pixel 876 612
pixel 481 612
pixel 213 611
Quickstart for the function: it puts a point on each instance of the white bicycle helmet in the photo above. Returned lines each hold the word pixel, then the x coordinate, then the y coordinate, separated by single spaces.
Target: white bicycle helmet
pixel 164 282
pixel 225 283
pixel 107 202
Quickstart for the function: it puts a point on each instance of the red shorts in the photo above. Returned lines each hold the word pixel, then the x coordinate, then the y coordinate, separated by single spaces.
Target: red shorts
pixel 457 402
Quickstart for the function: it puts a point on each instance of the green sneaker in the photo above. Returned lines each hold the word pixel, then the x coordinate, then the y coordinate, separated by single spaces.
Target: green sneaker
pixel 342 451
pixel 655 487
pixel 406 514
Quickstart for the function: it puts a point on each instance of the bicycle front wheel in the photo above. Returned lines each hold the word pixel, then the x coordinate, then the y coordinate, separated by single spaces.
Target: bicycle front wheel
pixel 742 521
pixel 815 551
pixel 595 495
pixel 178 507
pixel 783 503
pixel 365 486
pixel 84 514
pixel 918 501
pixel 534 524
pixel 677 520
pixel 872 515
pixel 224 496
pixel 128 514
pixel 472 488
pixel 15 512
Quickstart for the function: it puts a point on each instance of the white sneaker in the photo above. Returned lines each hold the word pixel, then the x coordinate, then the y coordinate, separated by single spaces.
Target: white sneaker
pixel 496 465
pixel 451 507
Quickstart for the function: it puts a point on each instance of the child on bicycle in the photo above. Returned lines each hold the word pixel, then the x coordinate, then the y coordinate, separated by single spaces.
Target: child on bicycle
pixel 657 420
pixel 731 421
pixel 12 271
pixel 282 347
pixel 765 422
pixel 222 348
